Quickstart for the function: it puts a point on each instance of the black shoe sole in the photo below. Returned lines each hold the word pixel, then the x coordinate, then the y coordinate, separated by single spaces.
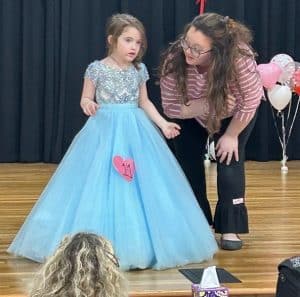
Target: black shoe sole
pixel 231 245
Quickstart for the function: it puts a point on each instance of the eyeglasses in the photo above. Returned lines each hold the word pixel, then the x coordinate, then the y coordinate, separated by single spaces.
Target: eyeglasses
pixel 195 51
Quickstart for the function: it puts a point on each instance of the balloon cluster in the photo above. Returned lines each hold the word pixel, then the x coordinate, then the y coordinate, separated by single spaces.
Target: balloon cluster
pixel 281 78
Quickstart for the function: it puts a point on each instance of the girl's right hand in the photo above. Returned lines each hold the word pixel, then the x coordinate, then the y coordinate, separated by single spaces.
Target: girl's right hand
pixel 89 106
pixel 170 130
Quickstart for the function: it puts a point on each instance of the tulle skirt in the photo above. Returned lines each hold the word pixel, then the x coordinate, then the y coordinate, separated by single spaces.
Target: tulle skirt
pixel 148 211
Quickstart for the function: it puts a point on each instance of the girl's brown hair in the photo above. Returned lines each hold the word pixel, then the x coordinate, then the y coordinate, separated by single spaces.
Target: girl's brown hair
pixel 230 40
pixel 116 26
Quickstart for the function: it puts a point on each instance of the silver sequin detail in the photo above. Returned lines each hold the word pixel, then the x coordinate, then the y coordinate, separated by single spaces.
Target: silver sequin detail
pixel 114 85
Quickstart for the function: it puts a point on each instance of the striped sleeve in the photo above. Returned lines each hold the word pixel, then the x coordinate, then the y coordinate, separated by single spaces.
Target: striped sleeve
pixel 171 102
pixel 250 87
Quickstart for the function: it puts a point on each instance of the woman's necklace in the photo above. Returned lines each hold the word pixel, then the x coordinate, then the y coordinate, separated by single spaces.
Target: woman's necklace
pixel 118 64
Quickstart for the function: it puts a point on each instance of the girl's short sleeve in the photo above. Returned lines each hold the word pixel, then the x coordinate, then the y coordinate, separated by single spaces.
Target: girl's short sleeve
pixel 143 73
pixel 92 72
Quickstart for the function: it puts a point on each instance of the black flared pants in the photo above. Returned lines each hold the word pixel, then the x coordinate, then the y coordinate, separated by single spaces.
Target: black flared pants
pixel 189 148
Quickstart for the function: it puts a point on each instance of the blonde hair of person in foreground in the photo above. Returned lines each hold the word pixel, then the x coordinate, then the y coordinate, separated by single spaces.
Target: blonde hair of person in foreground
pixel 84 265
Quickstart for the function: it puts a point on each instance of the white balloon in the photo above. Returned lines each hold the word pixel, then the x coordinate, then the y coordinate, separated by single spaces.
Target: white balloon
pixel 280 96
pixel 287 64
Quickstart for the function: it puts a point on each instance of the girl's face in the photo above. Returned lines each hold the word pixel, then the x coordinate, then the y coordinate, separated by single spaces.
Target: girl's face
pixel 128 45
pixel 196 47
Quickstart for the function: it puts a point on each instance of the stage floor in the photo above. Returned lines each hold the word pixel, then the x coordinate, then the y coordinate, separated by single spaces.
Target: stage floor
pixel 273 201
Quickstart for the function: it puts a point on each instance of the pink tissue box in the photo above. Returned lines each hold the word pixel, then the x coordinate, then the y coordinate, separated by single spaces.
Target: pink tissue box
pixel 212 292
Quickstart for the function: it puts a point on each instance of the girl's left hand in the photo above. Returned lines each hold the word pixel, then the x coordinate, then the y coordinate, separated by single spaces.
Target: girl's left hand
pixel 170 130
pixel 226 147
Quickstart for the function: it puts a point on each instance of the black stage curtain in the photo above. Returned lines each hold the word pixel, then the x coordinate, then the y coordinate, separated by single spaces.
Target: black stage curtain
pixel 47 44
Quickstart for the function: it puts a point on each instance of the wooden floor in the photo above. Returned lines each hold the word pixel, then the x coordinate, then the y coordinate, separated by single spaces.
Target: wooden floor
pixel 273 201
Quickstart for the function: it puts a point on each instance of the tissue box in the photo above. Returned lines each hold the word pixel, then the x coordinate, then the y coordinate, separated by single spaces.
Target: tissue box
pixel 211 292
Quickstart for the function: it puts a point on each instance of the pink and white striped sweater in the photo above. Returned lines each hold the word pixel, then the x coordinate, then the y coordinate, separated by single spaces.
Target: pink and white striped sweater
pixel 242 101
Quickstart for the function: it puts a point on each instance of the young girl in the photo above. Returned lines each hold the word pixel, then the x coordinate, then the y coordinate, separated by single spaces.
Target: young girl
pixel 82 265
pixel 118 178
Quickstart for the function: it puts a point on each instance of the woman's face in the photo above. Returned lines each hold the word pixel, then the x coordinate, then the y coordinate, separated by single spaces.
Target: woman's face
pixel 196 47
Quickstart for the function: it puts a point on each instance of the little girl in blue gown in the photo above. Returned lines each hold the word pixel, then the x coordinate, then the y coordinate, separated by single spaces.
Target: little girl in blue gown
pixel 118 178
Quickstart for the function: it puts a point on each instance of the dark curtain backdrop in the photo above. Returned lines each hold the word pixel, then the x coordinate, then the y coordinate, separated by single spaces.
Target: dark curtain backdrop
pixel 47 44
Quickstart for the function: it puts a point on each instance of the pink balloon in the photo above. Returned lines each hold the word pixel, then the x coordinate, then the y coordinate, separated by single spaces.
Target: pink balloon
pixel 296 75
pixel 269 74
pixel 295 80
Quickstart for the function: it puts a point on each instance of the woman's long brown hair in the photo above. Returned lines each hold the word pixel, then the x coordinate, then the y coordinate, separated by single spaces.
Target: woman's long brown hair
pixel 230 40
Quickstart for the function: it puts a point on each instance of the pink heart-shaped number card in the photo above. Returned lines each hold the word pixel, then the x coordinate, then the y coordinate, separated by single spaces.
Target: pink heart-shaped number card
pixel 125 167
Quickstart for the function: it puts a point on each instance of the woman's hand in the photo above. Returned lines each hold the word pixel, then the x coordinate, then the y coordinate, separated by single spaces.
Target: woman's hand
pixel 89 106
pixel 170 130
pixel 227 147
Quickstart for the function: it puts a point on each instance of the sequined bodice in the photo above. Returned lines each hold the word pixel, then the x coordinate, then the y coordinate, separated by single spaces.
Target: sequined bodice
pixel 116 85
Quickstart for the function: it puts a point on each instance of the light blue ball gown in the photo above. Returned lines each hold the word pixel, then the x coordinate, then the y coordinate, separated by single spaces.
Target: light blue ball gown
pixel 149 213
